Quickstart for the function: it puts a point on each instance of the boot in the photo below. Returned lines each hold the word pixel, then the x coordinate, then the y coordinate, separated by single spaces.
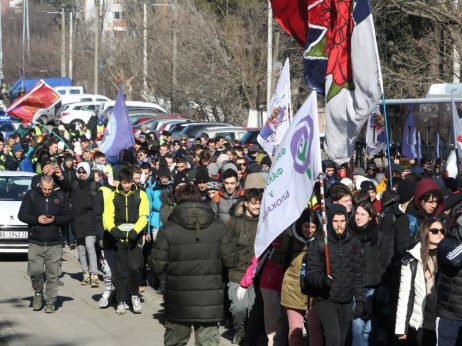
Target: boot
pixel 38 301
pixel 50 308
pixel 86 279
pixel 94 280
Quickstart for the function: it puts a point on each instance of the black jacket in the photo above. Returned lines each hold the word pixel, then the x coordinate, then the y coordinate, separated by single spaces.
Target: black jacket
pixel 191 248
pixel 377 249
pixel 346 265
pixel 36 204
pixel 82 198
pixel 449 299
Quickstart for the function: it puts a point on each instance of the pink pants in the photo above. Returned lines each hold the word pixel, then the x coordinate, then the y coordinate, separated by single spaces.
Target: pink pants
pixel 295 318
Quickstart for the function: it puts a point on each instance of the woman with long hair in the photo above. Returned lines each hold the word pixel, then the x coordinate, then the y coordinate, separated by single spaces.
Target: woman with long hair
pixel 378 251
pixel 293 246
pixel 416 314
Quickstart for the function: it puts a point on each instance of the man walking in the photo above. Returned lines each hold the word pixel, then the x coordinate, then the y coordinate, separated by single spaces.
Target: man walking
pixel 191 248
pixel 46 211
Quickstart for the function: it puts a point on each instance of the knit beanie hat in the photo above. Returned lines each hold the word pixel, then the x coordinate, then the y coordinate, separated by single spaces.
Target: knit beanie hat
pixel 163 171
pixel 367 185
pixel 17 147
pixel 180 178
pixel 212 168
pixel 406 190
pixel 359 171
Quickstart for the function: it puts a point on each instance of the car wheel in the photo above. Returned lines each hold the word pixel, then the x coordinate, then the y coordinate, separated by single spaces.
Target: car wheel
pixel 43 119
pixel 78 124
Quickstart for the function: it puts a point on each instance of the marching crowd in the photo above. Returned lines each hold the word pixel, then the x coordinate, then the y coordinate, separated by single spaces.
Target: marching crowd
pixel 182 217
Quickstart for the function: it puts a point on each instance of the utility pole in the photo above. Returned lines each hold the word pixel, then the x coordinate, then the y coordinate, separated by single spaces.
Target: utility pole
pixel 70 45
pixel 269 63
pixel 63 43
pixel 95 88
pixel 145 50
pixel 173 106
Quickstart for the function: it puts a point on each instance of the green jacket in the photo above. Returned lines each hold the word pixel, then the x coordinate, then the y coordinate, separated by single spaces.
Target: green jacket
pixel 191 248
pixel 243 230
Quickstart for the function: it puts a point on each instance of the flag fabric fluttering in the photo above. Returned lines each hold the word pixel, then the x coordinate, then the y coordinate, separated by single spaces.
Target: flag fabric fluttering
pixel 457 130
pixel 409 136
pixel 27 106
pixel 341 62
pixel 292 176
pixel 119 134
pixel 293 17
pixel 278 112
pixel 375 133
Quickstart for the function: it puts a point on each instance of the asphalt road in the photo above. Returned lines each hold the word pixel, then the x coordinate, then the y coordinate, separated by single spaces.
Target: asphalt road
pixel 78 319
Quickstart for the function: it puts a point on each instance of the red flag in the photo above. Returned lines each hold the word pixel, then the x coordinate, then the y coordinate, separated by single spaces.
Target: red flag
pixel 293 17
pixel 41 96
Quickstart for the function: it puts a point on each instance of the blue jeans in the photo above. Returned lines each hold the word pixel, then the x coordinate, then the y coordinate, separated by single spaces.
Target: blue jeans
pixel 449 332
pixel 361 329
pixel 68 235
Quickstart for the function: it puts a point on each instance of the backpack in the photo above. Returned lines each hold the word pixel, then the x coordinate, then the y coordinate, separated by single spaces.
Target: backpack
pixel 93 188
pixel 413 225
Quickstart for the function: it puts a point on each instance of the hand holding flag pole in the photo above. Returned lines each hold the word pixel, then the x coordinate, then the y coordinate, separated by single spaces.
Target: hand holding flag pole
pixel 324 224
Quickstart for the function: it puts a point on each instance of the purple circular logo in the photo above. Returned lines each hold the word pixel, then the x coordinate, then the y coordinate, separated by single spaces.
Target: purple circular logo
pixel 300 145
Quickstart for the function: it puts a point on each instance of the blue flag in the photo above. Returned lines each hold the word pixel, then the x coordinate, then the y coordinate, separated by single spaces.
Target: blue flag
pixel 119 133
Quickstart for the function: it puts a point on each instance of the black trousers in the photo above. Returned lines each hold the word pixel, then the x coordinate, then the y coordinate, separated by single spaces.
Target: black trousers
pixel 335 320
pixel 128 260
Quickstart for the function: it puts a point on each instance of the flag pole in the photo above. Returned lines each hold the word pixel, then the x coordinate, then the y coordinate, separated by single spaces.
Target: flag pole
pixel 323 208
pixel 388 139
pixel 324 223
pixel 62 140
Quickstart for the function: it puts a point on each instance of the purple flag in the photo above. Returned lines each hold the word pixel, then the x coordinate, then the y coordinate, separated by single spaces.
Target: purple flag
pixel 409 136
pixel 119 133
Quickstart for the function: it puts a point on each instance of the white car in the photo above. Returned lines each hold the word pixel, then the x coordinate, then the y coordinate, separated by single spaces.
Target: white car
pixel 229 133
pixel 77 114
pixel 13 233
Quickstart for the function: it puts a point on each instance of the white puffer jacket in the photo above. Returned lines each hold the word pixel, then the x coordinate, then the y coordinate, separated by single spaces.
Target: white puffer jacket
pixel 420 293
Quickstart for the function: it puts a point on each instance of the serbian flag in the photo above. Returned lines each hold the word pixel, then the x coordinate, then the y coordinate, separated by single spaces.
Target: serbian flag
pixel 119 134
pixel 457 128
pixel 341 63
pixel 41 96
pixel 278 112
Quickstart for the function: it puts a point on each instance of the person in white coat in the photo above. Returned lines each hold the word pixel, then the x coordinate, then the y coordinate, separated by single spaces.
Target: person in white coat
pixel 416 314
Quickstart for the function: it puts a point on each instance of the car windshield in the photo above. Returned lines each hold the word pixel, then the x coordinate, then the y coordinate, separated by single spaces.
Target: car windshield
pixel 250 137
pixel 14 188
pixel 6 127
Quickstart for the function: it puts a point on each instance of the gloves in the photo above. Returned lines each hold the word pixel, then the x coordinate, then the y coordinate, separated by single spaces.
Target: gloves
pixel 132 235
pixel 359 310
pixel 117 233
pixel 327 281
pixel 240 293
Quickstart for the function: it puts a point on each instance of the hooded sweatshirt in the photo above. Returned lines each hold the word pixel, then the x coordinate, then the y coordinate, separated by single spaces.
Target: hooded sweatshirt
pixel 346 264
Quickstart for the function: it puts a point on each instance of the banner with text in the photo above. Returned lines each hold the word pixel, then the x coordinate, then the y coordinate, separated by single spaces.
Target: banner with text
pixel 296 166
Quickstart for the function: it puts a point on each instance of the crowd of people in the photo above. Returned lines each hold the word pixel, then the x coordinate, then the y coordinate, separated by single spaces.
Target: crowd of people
pixel 182 217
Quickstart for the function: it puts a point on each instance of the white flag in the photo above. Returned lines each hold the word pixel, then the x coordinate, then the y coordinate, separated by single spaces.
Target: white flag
pixel 292 176
pixel 272 132
pixel 375 133
pixel 457 128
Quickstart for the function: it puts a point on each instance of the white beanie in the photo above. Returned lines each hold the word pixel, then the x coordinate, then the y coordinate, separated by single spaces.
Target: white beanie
pixel 85 166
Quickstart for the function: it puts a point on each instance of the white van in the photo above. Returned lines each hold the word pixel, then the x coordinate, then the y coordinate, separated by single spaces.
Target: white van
pixel 69 90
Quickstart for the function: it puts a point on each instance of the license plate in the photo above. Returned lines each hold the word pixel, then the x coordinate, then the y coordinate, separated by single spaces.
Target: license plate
pixel 13 234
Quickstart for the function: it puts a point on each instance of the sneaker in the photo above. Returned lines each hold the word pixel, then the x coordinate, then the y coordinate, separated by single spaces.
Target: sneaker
pixel 126 306
pixel 72 246
pixel 136 304
pixel 239 337
pixel 121 308
pixel 104 300
pixel 94 280
pixel 50 308
pixel 38 301
pixel 86 279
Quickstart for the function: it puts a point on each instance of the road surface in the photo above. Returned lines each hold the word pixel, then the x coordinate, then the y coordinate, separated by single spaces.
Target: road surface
pixel 78 319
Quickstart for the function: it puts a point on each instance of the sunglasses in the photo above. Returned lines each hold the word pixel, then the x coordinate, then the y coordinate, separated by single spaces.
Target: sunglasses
pixel 436 230
pixel 81 172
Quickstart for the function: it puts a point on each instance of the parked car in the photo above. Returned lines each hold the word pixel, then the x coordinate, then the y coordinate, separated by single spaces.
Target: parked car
pixel 106 108
pixel 250 137
pixel 156 123
pixel 229 133
pixel 77 114
pixel 191 131
pixel 13 233
pixel 69 90
pixel 7 126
